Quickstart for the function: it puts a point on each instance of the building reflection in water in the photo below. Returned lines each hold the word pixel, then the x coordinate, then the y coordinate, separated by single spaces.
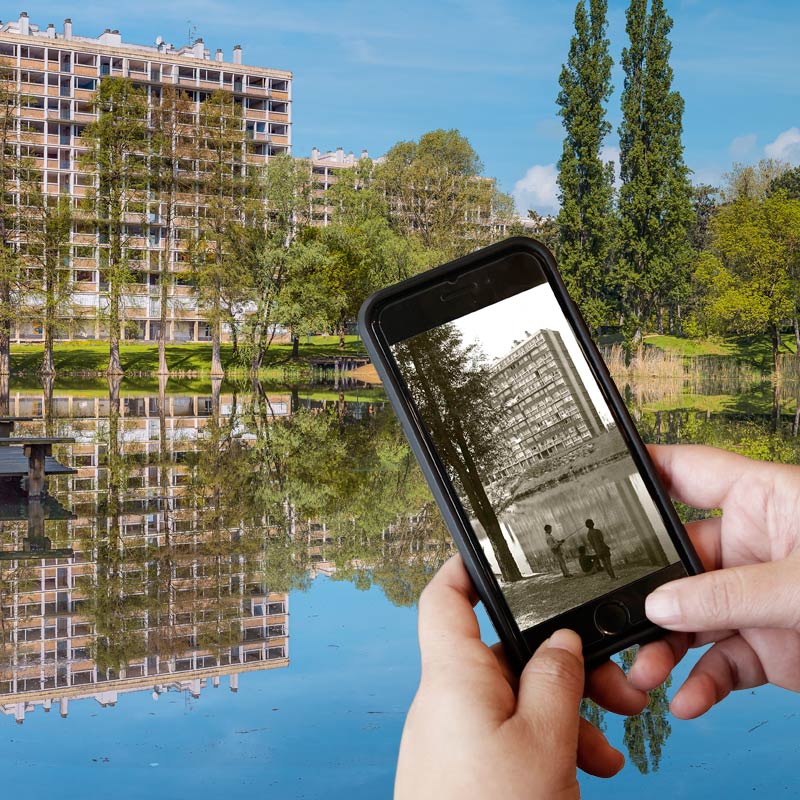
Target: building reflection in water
pixel 164 591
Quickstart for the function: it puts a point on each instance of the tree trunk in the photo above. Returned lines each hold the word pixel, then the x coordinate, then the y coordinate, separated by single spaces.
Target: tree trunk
pixel 660 320
pixel 47 356
pixel 295 346
pixel 163 369
pixel 5 334
pixel 114 365
pixel 342 330
pixel 776 346
pixel 796 323
pixel 5 395
pixel 216 360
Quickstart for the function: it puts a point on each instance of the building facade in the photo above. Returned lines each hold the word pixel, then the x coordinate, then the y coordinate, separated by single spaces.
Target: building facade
pixel 545 406
pixel 57 73
pixel 326 169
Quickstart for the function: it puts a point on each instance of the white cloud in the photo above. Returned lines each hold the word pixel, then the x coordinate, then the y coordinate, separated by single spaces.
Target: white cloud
pixel 537 190
pixel 741 146
pixel 786 146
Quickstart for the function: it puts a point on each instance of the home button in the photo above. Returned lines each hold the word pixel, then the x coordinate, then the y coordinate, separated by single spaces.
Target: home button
pixel 611 618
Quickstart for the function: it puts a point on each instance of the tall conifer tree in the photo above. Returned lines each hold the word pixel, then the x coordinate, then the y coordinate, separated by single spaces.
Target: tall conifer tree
pixel 585 181
pixel 655 207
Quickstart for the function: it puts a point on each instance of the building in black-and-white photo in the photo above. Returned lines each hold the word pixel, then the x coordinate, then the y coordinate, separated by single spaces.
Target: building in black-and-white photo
pixel 547 408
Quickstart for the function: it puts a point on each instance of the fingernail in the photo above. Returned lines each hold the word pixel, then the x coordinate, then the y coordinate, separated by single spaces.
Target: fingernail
pixel 662 607
pixel 566 640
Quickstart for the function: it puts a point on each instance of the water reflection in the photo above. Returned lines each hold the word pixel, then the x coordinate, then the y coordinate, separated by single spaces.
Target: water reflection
pixel 194 516
pixel 190 518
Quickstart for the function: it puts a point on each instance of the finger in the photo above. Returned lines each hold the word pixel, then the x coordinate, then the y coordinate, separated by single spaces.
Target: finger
pixel 609 687
pixel 751 596
pixel 502 662
pixel 446 616
pixel 655 661
pixel 728 665
pixel 551 690
pixel 706 536
pixel 595 755
pixel 701 476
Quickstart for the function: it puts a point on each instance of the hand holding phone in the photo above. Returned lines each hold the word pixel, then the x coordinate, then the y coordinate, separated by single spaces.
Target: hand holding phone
pixel 477 730
pixel 528 449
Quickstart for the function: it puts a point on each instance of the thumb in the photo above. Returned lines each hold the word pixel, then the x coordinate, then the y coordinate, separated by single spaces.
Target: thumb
pixel 753 596
pixel 551 689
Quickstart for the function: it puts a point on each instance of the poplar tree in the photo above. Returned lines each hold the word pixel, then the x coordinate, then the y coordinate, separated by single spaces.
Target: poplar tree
pixel 655 208
pixel 116 144
pixel 585 220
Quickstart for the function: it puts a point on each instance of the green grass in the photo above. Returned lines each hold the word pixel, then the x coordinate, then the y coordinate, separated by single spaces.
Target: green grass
pixel 139 357
pixel 754 350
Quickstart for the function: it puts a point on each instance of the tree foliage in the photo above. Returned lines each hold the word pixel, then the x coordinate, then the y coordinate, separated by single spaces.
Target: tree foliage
pixel 585 221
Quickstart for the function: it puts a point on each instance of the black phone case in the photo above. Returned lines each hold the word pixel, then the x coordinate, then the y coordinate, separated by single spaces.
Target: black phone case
pixel 519 645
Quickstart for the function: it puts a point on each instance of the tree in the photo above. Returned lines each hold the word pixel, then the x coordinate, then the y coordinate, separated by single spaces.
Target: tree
pixel 585 221
pixel 172 148
pixel 749 277
pixel 451 388
pixel 787 182
pixel 655 210
pixel 11 271
pixel 116 145
pixel 45 228
pixel 752 181
pixel 265 243
pixel 434 190
pixel 226 184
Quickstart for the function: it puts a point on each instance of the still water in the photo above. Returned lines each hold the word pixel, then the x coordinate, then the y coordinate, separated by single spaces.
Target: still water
pixel 237 614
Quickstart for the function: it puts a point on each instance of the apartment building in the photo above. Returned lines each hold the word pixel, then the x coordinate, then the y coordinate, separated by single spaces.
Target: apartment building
pixel 546 408
pixel 183 607
pixel 57 73
pixel 326 170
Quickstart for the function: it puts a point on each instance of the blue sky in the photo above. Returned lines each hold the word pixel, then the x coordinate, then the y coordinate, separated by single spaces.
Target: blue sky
pixel 370 73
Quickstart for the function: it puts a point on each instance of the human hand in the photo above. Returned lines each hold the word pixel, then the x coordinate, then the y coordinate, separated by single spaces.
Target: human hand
pixel 748 604
pixel 476 730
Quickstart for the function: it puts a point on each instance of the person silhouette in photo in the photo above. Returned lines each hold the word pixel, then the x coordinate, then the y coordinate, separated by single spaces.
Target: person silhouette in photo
pixel 555 548
pixel 588 562
pixel 601 549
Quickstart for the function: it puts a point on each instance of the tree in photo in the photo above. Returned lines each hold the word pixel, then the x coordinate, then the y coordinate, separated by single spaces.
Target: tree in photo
pixel 116 145
pixel 655 208
pixel 748 279
pixel 451 387
pixel 226 184
pixel 172 150
pixel 585 180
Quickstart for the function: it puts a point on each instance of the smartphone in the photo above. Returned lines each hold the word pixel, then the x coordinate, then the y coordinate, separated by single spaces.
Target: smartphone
pixel 532 457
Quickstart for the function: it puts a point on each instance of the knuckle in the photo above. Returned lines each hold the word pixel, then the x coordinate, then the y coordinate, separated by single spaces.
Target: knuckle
pixel 557 668
pixel 722 596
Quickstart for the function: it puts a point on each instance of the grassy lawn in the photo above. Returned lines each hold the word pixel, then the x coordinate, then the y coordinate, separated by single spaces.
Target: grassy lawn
pixel 81 357
pixel 756 351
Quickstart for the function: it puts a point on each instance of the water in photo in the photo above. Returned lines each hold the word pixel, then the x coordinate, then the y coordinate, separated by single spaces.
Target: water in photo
pixel 534 454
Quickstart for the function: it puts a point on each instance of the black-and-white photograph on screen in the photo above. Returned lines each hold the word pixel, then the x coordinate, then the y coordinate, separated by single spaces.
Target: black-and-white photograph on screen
pixel 535 456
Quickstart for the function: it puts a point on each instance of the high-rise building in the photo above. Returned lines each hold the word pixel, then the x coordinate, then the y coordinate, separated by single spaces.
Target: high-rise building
pixel 546 408
pixel 57 74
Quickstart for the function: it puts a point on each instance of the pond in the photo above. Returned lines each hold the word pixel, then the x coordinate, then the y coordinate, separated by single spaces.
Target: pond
pixel 228 600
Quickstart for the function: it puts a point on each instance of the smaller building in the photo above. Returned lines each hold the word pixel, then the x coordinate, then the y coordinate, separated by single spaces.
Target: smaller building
pixel 326 169
pixel 546 407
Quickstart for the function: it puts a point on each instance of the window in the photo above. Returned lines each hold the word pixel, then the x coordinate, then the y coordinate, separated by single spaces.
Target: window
pixel 86 84
pixel 87 60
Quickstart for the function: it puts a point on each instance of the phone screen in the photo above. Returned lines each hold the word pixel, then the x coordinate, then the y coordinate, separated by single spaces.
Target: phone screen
pixel 533 452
